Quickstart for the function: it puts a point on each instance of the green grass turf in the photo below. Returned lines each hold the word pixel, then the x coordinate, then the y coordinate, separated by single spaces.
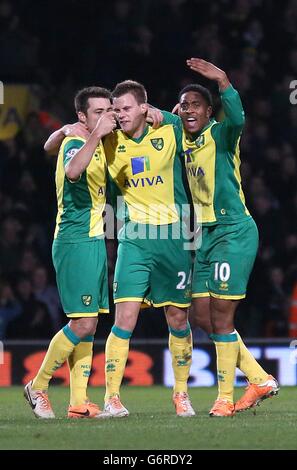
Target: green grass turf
pixel 151 425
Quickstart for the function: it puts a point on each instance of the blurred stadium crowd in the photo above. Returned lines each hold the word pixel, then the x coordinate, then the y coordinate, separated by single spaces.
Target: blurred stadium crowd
pixel 62 46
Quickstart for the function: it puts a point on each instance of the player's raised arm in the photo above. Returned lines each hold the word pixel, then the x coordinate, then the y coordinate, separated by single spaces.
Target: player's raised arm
pixel 79 162
pixel 210 71
pixel 54 141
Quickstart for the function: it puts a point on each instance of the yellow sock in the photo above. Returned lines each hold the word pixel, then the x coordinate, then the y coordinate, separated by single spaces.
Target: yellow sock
pixel 181 353
pixel 60 348
pixel 248 364
pixel 227 348
pixel 80 363
pixel 116 354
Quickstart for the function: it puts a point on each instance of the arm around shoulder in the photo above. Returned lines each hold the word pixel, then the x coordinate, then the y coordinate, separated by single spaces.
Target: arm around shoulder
pixel 54 141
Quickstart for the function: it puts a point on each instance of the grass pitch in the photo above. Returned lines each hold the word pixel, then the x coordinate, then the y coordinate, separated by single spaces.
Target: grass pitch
pixel 152 424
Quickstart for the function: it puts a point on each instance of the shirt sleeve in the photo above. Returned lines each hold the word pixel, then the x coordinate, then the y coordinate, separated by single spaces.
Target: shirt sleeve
pixel 227 132
pixel 169 118
pixel 70 149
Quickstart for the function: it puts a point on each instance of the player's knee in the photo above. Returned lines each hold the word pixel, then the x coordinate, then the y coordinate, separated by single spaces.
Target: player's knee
pixel 126 315
pixel 221 316
pixel 178 324
pixel 83 327
pixel 222 325
pixel 177 318
pixel 205 325
pixel 125 320
pixel 199 314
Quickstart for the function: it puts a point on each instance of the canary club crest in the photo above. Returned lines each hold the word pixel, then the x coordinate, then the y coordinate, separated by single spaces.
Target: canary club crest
pixel 200 141
pixel 86 299
pixel 158 144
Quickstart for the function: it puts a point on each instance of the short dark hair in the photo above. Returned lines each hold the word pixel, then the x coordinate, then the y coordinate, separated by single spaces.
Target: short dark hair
pixel 82 96
pixel 130 86
pixel 197 89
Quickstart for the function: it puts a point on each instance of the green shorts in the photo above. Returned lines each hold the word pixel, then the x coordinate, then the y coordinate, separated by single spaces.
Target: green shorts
pixel 154 271
pixel 82 279
pixel 225 260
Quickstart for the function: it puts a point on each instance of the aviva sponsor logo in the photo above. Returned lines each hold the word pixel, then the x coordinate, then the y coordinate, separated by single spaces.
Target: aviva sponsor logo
pixel 195 171
pixel 142 182
pixel 140 164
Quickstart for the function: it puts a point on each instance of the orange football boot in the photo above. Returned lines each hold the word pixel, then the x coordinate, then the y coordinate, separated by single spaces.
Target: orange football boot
pixel 183 405
pixel 256 393
pixel 222 407
pixel 87 410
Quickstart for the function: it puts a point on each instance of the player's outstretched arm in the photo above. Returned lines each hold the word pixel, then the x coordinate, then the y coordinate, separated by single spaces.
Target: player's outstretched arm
pixel 79 162
pixel 69 130
pixel 210 71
